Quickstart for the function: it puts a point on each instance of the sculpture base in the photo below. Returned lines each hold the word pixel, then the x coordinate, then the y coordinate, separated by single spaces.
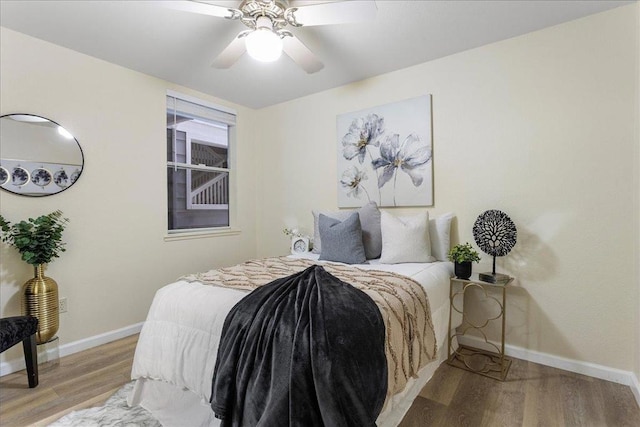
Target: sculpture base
pixel 497 278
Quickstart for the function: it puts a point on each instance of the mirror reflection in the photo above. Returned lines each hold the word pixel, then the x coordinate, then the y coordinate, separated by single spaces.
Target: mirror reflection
pixel 38 157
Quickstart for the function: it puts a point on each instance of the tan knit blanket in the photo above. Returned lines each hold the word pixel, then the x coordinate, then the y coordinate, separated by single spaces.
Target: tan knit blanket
pixel 410 338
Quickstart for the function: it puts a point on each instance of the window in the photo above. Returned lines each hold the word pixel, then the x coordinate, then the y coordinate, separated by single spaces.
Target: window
pixel 200 137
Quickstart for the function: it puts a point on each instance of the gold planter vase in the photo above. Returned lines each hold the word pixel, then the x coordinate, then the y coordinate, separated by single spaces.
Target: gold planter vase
pixel 40 299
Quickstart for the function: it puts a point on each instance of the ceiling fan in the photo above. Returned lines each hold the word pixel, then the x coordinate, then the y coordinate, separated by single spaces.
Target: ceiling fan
pixel 267 36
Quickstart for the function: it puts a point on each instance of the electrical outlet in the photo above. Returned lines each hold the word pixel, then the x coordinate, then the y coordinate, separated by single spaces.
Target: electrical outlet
pixel 62 305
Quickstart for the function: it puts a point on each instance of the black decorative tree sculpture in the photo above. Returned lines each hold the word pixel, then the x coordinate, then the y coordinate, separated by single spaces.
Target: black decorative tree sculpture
pixel 495 234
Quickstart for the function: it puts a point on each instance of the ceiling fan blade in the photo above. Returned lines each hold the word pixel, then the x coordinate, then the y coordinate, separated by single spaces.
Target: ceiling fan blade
pixel 301 54
pixel 340 12
pixel 231 53
pixel 202 8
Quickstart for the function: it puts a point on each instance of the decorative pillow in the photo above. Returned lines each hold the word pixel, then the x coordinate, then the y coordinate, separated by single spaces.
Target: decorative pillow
pixel 405 239
pixel 369 221
pixel 341 240
pixel 440 236
pixel 317 240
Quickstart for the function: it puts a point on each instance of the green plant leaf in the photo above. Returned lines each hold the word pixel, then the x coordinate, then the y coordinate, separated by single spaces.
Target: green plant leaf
pixel 463 253
pixel 38 240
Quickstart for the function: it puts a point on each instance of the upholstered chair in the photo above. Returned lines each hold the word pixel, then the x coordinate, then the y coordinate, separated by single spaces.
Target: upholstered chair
pixel 22 328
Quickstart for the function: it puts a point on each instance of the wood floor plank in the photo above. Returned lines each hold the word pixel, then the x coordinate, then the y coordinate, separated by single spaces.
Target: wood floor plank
pixel 580 401
pixel 474 393
pixel 13 412
pixel 508 406
pixel 621 409
pixel 425 412
pixel 543 406
pixel 443 385
pixel 100 380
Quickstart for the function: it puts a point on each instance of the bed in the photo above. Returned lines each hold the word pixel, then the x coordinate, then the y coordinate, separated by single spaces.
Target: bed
pixel 176 353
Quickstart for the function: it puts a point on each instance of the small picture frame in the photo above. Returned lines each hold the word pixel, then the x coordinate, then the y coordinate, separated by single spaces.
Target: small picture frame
pixel 299 245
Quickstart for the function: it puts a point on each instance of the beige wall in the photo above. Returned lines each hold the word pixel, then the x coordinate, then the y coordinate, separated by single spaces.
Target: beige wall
pixel 116 254
pixel 541 126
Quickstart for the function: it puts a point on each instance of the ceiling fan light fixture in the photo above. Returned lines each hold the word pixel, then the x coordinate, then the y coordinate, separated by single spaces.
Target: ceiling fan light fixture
pixel 264 44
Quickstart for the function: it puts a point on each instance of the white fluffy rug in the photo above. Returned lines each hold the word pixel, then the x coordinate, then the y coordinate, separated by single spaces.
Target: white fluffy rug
pixel 114 413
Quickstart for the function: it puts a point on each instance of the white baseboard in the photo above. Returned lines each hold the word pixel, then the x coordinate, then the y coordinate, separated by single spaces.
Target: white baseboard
pixel 15 365
pixel 635 388
pixel 585 368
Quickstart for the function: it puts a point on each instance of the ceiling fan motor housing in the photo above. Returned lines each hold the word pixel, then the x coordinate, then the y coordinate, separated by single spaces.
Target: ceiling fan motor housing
pixel 252 10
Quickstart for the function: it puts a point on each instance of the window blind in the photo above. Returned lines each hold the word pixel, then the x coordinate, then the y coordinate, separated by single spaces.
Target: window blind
pixel 184 108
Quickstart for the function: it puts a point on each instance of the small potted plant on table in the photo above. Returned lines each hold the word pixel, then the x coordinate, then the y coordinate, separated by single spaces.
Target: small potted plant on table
pixel 462 255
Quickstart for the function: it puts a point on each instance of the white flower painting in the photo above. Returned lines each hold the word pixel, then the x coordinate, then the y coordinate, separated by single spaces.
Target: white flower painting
pixel 385 155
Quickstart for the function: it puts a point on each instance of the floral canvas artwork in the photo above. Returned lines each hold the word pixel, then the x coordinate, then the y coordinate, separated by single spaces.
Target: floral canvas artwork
pixel 385 155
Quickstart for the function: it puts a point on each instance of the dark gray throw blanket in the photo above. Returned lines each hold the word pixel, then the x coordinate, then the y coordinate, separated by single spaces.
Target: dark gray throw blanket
pixel 303 350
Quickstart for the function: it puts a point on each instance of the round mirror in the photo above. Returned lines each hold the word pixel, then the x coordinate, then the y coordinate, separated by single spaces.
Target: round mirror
pixel 38 157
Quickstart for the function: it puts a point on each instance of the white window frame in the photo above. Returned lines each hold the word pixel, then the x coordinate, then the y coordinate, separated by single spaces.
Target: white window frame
pixel 192 167
pixel 232 228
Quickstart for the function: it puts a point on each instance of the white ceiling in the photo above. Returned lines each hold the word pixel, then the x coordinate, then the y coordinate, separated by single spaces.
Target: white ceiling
pixel 180 46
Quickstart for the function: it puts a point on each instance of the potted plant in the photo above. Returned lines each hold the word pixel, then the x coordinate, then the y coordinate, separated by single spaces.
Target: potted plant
pixel 462 255
pixel 39 241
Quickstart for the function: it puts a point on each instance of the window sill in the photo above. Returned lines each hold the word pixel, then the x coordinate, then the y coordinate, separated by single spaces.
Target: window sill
pixel 201 234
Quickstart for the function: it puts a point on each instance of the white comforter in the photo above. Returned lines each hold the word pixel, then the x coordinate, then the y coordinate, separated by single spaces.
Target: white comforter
pixel 176 353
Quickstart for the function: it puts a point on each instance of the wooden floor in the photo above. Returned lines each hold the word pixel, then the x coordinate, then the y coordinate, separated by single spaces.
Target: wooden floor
pixel 80 380
pixel 533 395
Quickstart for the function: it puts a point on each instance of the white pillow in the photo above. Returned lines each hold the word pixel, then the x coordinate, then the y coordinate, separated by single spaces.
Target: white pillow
pixel 440 236
pixel 405 238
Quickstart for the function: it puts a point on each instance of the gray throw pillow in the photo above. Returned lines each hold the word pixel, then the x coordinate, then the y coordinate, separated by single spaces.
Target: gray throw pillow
pixel 369 221
pixel 341 240
pixel 317 240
